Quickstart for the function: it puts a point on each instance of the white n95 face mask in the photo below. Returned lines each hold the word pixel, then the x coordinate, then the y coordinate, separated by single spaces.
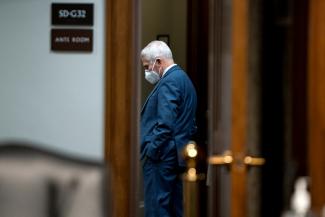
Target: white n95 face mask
pixel 152 76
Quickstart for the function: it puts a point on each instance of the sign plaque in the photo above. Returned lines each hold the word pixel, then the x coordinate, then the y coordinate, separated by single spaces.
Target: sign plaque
pixel 72 40
pixel 72 14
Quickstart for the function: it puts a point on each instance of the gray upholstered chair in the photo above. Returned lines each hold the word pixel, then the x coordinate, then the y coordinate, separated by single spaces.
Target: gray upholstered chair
pixel 38 183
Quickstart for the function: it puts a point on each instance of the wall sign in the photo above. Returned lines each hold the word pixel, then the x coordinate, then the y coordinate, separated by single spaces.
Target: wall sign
pixel 72 14
pixel 72 40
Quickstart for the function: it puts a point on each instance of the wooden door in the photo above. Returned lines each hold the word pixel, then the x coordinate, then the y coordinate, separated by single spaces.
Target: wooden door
pixel 228 157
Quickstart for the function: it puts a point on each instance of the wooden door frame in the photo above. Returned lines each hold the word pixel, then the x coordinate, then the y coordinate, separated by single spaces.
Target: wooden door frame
pixel 197 69
pixel 316 103
pixel 122 104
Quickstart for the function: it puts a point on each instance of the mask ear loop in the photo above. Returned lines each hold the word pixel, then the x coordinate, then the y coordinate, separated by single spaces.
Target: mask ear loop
pixel 153 66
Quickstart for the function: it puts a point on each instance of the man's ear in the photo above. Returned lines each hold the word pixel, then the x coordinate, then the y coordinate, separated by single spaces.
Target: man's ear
pixel 158 61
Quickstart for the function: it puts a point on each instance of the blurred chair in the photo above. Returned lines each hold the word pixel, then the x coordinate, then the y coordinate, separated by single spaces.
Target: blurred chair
pixel 35 182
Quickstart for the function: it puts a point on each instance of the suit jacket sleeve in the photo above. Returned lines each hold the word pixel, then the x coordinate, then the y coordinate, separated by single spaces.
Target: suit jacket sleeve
pixel 169 97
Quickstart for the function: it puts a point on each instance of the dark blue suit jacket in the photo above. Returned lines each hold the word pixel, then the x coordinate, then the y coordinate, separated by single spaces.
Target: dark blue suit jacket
pixel 168 116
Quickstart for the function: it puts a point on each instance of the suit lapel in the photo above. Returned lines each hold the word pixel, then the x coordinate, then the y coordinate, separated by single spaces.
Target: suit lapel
pixel 155 88
pixel 157 85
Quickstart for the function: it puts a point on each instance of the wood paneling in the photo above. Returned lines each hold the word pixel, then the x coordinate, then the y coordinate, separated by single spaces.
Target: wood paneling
pixel 122 103
pixel 316 102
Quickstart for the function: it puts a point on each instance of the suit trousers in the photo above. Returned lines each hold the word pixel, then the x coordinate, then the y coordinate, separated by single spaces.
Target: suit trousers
pixel 163 188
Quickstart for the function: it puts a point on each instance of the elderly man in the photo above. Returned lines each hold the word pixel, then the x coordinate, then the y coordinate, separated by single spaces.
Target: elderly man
pixel 167 124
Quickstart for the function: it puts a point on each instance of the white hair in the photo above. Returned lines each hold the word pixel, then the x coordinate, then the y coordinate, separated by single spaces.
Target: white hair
pixel 156 49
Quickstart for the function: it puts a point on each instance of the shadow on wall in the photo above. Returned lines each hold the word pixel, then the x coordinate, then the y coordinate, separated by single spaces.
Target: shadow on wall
pixel 36 182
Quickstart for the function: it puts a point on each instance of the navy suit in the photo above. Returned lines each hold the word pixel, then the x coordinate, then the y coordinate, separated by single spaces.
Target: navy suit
pixel 167 124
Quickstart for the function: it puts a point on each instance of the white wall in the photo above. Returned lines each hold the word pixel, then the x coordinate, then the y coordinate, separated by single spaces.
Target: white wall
pixel 165 17
pixel 54 99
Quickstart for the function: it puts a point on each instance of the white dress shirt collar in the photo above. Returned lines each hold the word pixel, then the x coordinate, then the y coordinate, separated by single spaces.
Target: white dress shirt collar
pixel 168 68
